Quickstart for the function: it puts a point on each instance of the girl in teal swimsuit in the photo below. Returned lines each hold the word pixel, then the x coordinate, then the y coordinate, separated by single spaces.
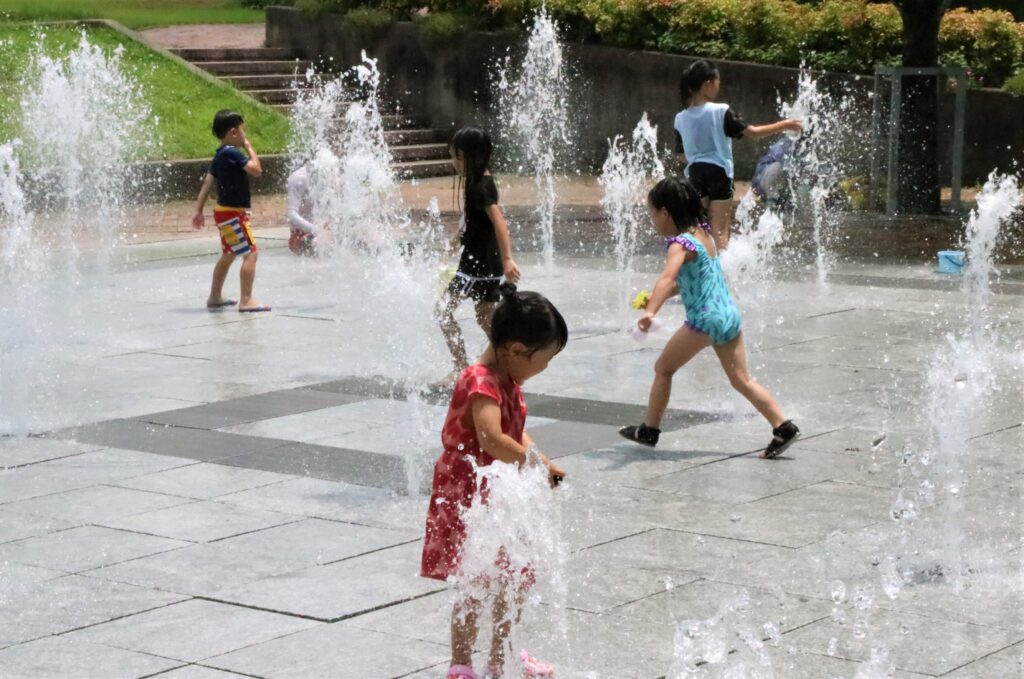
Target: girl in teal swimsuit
pixel 692 269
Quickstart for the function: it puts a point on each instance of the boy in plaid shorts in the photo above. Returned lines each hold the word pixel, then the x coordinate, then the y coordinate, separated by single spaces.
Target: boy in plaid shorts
pixel 230 170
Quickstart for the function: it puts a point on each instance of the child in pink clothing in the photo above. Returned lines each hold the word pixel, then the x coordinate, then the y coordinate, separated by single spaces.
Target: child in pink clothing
pixel 485 423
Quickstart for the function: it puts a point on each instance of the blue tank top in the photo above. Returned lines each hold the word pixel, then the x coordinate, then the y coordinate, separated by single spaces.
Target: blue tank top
pixel 702 129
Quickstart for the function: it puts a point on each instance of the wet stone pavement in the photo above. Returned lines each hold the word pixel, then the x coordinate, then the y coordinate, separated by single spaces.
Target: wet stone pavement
pixel 213 496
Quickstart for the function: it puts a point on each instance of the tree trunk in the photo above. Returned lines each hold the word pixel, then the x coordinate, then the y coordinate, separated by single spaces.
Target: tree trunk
pixel 917 162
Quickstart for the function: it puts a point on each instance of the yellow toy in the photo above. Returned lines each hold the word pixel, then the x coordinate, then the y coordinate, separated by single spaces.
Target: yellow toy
pixel 640 301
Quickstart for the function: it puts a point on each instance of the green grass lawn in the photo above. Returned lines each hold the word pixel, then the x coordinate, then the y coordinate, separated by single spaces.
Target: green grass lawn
pixel 183 102
pixel 132 13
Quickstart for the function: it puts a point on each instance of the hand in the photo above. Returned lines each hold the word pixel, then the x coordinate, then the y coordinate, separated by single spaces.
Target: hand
pixel 510 270
pixel 555 474
pixel 198 221
pixel 644 323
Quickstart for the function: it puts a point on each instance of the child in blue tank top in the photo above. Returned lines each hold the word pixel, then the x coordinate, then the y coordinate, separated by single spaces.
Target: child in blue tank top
pixel 704 134
pixel 692 269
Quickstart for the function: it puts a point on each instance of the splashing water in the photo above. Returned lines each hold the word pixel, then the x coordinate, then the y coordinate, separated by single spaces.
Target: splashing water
pixel 626 176
pixel 513 542
pixel 383 267
pixel 533 104
pixel 749 265
pixel 62 185
pixel 814 172
pixel 82 162
pixel 726 645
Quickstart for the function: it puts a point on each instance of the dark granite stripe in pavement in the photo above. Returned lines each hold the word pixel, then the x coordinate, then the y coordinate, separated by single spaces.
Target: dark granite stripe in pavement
pixel 251 408
pixel 611 413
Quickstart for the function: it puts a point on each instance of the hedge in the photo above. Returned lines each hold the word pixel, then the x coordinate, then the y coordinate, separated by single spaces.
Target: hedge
pixel 839 35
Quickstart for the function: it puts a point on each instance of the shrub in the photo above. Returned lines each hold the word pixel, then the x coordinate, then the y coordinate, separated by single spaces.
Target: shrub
pixel 854 35
pixel 261 4
pixel 1015 85
pixel 629 23
pixel 367 24
pixel 987 41
pixel 438 29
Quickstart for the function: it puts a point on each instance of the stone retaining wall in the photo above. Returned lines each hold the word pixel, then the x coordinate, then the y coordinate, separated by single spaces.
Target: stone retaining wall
pixel 451 85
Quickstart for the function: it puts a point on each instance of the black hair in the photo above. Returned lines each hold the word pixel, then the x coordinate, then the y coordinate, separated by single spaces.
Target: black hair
pixel 476 148
pixel 694 78
pixel 681 199
pixel 224 121
pixel 528 318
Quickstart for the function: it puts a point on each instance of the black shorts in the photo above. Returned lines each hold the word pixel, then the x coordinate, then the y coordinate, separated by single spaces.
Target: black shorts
pixel 477 289
pixel 710 181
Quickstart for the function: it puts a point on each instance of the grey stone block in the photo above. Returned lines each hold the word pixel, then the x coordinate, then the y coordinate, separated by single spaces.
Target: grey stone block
pixel 671 550
pixel 340 590
pixel 609 413
pixel 62 657
pixel 250 408
pixel 18 526
pixel 200 521
pixel 196 444
pixel 208 569
pixel 17 451
pixel 203 481
pixel 53 606
pixel 324 462
pixel 326 650
pixel 566 438
pixel 84 548
pixel 916 644
pixel 310 497
pixel 192 630
pixel 1008 662
pixel 95 504
pixel 198 672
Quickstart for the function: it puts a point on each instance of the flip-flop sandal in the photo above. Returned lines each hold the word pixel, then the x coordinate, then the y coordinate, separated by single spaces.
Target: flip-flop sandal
pixel 535 668
pixel 460 672
pixel 222 303
pixel 254 309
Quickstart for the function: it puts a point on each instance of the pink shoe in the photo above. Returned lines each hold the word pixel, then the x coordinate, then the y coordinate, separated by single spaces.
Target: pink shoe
pixel 460 672
pixel 535 668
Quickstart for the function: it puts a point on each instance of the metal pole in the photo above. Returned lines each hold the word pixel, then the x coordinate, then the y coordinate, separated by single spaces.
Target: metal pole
pixel 876 141
pixel 894 141
pixel 958 137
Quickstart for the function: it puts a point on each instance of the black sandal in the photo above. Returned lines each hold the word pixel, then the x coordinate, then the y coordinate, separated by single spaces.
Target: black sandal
pixel 783 437
pixel 642 434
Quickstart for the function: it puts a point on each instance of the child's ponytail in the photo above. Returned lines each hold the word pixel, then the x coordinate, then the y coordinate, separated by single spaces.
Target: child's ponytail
pixel 694 78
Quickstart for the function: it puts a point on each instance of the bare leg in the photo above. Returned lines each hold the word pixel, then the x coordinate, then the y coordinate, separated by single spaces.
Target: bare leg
pixel 450 328
pixel 220 274
pixel 502 628
pixel 484 311
pixel 464 631
pixel 720 212
pixel 734 360
pixel 683 346
pixel 246 277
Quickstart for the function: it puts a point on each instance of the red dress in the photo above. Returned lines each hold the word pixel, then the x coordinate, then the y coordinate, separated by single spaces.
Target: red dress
pixel 454 479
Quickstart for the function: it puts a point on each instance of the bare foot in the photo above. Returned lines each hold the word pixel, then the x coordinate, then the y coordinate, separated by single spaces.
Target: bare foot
pixel 220 302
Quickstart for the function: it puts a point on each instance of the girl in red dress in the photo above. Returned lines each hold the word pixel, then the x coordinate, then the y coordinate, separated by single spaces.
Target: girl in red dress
pixel 485 423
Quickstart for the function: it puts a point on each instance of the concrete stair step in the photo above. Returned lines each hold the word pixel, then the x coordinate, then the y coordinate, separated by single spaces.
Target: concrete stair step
pixel 421 169
pixel 263 82
pixel 410 152
pixel 417 136
pixel 235 54
pixel 274 96
pixel 278 67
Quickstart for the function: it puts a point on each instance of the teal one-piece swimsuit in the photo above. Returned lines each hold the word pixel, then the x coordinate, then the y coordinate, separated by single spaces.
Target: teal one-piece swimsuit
pixel 710 308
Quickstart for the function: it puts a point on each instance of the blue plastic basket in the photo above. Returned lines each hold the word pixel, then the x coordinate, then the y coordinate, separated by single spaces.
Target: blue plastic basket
pixel 951 261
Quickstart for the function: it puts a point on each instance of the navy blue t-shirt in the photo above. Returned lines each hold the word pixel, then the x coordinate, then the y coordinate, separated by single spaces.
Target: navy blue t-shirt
pixel 228 168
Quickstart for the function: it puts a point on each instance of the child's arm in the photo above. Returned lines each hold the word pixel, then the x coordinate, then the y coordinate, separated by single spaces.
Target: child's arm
pixel 758 131
pixel 498 444
pixel 204 192
pixel 253 167
pixel 666 285
pixel 508 265
pixel 553 469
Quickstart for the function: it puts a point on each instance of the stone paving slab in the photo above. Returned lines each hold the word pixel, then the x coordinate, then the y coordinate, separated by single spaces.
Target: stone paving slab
pixel 56 605
pixel 17 452
pixel 200 521
pixel 62 657
pixel 198 672
pixel 207 569
pixel 202 481
pixel 1008 662
pixel 250 409
pixel 15 526
pixel 84 548
pixel 321 651
pixel 197 444
pixel 340 590
pixel 95 504
pixel 193 630
pixel 952 644
pixel 309 497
